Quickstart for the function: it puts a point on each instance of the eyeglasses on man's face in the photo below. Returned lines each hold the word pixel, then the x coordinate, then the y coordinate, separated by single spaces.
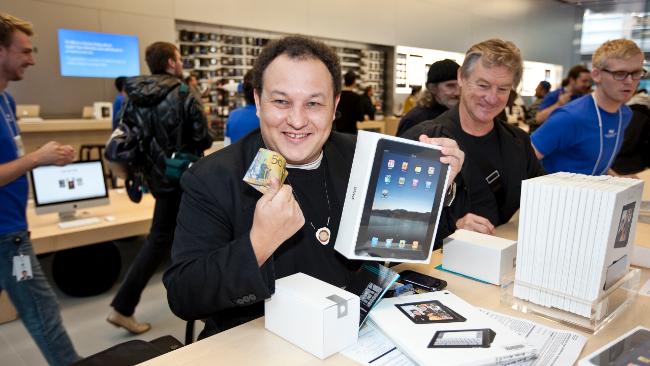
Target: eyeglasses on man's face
pixel 622 75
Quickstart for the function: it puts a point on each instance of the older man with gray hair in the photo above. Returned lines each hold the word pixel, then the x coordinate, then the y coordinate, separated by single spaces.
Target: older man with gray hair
pixel 498 156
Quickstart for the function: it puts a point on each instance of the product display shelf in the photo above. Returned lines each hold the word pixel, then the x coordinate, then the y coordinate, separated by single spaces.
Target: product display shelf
pixel 605 309
pixel 220 56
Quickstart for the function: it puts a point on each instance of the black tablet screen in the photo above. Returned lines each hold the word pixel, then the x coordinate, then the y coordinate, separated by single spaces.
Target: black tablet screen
pixel 402 202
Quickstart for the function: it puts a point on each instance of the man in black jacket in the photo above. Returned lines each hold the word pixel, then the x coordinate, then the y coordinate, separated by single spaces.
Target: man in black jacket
pixel 441 93
pixel 499 156
pixel 165 109
pixel 232 242
pixel 350 107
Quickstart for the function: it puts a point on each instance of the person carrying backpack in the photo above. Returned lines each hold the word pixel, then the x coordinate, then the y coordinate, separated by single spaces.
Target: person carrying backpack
pixel 167 121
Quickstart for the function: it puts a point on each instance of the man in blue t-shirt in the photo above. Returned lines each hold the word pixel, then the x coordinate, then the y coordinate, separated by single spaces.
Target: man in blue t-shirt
pixel 585 135
pixel 578 84
pixel 30 293
pixel 243 120
pixel 119 99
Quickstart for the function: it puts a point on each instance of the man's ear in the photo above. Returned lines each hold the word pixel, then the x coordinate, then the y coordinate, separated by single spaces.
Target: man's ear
pixel 256 96
pixel 336 105
pixel 459 77
pixel 596 75
pixel 171 64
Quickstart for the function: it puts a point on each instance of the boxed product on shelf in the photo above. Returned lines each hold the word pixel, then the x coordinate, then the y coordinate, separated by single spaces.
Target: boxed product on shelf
pixel 575 238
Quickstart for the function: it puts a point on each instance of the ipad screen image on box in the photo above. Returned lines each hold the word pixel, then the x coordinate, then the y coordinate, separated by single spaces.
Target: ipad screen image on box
pixel 633 350
pixel 403 202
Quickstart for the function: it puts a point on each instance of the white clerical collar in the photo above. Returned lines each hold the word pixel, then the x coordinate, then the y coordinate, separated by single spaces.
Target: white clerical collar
pixel 309 166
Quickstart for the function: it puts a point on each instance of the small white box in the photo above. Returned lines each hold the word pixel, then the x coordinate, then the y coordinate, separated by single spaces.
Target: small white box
pixel 484 257
pixel 393 201
pixel 102 110
pixel 318 317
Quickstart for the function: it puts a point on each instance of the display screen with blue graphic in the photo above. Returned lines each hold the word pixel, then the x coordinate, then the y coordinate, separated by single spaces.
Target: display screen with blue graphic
pixel 403 201
pixel 100 55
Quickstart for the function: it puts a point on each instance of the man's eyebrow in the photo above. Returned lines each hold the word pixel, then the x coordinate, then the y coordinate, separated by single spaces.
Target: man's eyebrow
pixel 278 92
pixel 481 80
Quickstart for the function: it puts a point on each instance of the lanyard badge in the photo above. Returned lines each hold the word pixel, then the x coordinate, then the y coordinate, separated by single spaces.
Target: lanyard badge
pixel 22 268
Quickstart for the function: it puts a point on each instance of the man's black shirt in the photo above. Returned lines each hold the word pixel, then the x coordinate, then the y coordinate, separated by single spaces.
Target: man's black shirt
pixel 482 157
pixel 349 112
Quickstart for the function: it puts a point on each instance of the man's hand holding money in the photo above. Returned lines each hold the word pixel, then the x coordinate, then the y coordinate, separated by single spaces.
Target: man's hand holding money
pixel 277 217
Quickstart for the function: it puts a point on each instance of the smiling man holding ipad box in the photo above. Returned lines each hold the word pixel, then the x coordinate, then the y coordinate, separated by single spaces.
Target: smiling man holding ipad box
pixel 499 155
pixel 232 242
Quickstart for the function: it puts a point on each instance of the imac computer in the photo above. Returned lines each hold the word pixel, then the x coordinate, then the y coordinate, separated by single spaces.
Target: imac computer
pixel 64 189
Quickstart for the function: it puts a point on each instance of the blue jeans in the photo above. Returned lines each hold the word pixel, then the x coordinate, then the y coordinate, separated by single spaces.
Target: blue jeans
pixel 35 301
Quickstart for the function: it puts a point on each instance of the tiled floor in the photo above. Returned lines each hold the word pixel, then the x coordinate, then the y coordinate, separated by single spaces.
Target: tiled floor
pixel 84 318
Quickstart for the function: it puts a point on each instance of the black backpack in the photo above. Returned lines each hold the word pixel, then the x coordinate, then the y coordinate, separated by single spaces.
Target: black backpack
pixel 126 150
pixel 124 153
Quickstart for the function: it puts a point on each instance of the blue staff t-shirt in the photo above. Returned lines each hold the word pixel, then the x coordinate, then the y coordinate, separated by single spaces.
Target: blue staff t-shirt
pixel 13 195
pixel 570 137
pixel 241 121
pixel 552 97
pixel 117 106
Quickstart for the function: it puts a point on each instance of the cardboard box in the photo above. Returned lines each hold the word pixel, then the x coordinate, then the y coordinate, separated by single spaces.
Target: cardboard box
pixel 393 201
pixel 320 318
pixel 484 257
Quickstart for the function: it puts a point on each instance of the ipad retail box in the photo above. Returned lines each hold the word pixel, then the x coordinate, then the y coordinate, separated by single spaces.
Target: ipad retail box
pixel 484 257
pixel 631 348
pixel 320 318
pixel 393 200
pixel 575 238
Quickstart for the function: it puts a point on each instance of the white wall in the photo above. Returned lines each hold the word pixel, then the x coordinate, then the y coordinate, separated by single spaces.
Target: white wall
pixel 543 29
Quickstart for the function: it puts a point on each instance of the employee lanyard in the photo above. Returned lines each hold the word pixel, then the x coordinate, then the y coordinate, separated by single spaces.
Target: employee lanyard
pixel 602 142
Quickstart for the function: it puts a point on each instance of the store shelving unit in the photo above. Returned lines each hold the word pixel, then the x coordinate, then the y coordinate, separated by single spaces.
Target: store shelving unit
pixel 220 56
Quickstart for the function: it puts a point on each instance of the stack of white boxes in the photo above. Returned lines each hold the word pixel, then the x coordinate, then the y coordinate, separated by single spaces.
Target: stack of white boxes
pixel 576 234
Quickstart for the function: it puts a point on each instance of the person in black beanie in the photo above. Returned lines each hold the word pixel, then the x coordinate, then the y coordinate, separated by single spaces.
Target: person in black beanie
pixel 442 92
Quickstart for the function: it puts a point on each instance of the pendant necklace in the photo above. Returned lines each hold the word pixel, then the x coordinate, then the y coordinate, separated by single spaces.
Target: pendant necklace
pixel 323 234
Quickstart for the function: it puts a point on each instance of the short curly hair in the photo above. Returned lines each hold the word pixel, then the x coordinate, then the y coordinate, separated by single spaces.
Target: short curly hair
pixel 298 48
pixel 617 48
pixel 495 52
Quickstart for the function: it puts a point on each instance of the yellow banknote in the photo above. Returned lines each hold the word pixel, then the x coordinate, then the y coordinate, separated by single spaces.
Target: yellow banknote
pixel 266 166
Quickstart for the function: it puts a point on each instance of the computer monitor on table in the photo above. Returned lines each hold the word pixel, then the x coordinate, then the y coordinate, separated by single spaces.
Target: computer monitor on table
pixel 64 189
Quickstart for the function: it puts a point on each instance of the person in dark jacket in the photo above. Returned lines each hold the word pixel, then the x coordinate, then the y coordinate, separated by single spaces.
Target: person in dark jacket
pixel 350 107
pixel 499 156
pixel 368 103
pixel 441 93
pixel 634 156
pixel 164 107
pixel 232 242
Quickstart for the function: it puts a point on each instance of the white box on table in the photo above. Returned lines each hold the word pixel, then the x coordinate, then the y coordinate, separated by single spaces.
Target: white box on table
pixel 484 257
pixel 318 317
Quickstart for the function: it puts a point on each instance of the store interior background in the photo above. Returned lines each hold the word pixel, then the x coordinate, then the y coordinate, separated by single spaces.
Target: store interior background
pixel 548 31
pixel 543 29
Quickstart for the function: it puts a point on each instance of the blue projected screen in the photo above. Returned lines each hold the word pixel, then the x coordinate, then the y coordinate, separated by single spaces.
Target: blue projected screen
pixel 99 55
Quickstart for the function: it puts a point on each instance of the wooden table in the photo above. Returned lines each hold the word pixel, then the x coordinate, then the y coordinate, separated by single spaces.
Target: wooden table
pixel 75 132
pixel 373 126
pixel 130 219
pixel 251 344
pixel 391 125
